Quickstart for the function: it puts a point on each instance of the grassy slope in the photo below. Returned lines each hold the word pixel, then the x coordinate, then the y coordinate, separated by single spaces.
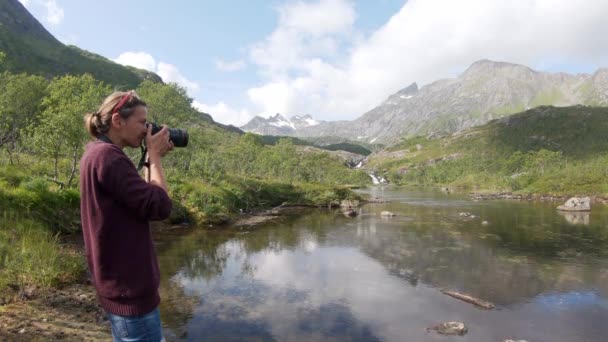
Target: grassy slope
pixel 545 150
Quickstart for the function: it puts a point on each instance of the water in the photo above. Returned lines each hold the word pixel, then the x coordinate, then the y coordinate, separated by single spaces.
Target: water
pixel 323 277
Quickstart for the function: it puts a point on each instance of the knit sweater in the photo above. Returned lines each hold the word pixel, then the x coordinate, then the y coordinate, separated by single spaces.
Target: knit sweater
pixel 116 205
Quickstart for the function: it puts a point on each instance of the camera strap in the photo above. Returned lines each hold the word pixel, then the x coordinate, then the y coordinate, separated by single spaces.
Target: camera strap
pixel 142 161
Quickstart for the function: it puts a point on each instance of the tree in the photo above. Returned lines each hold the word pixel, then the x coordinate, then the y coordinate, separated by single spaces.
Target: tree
pixel 60 132
pixel 545 158
pixel 167 103
pixel 20 98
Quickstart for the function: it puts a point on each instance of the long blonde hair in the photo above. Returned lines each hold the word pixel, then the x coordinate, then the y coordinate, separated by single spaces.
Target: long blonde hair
pixel 98 123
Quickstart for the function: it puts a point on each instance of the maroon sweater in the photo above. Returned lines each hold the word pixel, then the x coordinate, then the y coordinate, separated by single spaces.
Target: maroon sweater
pixel 116 205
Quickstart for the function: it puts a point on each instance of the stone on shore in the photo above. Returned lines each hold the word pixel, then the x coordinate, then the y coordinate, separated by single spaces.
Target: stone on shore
pixel 576 204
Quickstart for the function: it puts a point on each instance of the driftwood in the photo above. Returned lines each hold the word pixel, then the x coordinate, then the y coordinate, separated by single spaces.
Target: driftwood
pixel 465 298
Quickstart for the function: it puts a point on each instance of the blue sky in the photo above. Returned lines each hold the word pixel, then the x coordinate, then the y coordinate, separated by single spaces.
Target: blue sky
pixel 333 59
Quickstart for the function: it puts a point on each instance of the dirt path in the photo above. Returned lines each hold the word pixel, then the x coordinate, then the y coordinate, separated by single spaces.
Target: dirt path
pixel 68 314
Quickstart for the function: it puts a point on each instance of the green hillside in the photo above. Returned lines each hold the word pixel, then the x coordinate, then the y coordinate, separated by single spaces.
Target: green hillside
pixel 546 150
pixel 30 48
pixel 344 146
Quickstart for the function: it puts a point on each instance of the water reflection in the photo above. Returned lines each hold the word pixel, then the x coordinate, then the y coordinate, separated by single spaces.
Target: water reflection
pixel 576 217
pixel 326 277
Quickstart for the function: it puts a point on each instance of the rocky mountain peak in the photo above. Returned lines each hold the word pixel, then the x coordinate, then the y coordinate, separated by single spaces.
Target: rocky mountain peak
pixel 486 67
pixel 409 90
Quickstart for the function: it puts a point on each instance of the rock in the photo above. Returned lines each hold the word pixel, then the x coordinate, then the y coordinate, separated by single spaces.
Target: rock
pixel 464 214
pixel 349 204
pixel 349 213
pixel 387 214
pixel 450 328
pixel 485 223
pixel 576 204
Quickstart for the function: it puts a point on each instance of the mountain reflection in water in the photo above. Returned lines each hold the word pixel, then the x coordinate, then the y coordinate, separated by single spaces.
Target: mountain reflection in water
pixel 321 276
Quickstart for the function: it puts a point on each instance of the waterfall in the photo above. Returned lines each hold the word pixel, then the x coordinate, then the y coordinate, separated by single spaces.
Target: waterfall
pixel 378 180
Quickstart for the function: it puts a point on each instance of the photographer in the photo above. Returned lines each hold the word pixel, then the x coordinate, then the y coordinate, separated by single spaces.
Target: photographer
pixel 116 207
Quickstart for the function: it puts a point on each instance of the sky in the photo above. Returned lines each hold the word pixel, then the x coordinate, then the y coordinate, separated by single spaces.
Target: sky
pixel 332 59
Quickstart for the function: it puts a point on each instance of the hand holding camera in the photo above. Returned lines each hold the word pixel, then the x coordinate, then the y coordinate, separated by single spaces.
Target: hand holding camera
pixel 165 139
pixel 158 143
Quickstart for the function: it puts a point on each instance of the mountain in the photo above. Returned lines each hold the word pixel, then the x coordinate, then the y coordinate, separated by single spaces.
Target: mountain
pixel 486 90
pixel 30 48
pixel 279 125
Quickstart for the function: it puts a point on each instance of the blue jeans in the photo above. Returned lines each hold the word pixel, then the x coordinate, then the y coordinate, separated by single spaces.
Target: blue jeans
pixel 137 328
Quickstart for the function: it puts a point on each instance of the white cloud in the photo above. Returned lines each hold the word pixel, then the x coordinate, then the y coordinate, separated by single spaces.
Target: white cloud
pixel 54 13
pixel 318 18
pixel 305 30
pixel 229 66
pixel 140 60
pixel 223 113
pixel 315 61
pixel 168 72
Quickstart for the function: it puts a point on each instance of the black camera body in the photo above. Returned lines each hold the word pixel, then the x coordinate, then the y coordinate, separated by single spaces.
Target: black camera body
pixel 179 137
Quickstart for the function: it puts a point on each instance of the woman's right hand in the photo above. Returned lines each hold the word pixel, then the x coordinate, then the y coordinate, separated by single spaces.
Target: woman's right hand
pixel 158 144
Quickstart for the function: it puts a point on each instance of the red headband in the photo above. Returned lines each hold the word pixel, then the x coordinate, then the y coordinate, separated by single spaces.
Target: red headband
pixel 122 102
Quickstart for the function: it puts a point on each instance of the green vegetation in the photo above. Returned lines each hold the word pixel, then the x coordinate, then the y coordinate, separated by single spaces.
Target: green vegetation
pixel 343 146
pixel 547 150
pixel 31 256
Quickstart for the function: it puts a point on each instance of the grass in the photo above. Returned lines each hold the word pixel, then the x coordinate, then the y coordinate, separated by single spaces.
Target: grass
pixel 30 255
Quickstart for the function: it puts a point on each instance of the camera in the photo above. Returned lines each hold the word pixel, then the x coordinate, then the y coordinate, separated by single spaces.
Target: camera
pixel 179 137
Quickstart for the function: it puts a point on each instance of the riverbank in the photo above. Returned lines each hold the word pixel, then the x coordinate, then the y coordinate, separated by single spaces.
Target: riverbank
pixel 532 197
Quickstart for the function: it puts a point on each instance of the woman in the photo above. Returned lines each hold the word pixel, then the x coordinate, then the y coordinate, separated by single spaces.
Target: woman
pixel 116 207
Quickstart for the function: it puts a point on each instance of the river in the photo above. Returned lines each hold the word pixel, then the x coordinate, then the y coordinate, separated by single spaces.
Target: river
pixel 320 276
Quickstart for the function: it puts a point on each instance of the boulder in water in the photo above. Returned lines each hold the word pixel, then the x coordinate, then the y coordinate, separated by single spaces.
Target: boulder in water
pixel 576 204
pixel 450 328
pixel 349 212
